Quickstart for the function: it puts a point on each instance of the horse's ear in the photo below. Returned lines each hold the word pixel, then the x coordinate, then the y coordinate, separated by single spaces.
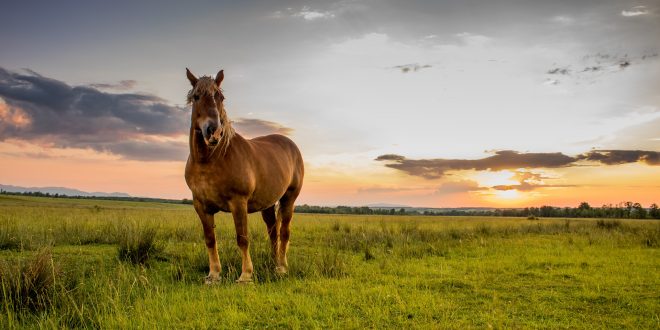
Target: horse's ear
pixel 219 77
pixel 191 77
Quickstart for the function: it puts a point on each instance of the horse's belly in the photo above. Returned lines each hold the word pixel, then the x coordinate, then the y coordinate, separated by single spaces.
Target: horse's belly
pixel 263 200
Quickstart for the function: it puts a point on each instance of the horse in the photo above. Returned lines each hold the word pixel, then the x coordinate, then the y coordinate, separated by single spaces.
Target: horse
pixel 226 172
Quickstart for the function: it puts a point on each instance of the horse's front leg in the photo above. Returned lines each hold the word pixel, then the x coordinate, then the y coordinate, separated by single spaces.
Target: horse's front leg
pixel 208 223
pixel 239 212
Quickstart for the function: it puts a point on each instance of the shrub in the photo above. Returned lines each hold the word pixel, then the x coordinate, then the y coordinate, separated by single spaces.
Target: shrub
pixel 29 284
pixel 138 244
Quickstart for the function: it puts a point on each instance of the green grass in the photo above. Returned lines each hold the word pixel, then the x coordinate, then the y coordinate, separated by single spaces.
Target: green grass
pixel 73 263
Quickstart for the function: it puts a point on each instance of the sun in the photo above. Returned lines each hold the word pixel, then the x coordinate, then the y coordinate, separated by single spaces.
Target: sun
pixel 495 178
pixel 507 194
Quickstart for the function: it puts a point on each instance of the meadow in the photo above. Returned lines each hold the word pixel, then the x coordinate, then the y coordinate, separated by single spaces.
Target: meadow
pixel 110 264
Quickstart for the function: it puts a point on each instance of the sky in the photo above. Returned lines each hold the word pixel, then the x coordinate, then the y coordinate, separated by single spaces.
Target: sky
pixel 420 103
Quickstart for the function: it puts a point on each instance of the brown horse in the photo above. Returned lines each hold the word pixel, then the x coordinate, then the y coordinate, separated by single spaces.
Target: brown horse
pixel 229 173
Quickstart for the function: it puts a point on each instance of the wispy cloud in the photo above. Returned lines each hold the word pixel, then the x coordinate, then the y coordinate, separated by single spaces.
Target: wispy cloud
pixel 563 19
pixel 528 181
pixel 122 85
pixel 473 39
pixel 306 13
pixel 509 159
pixel 414 67
pixel 455 187
pixel 251 127
pixel 635 11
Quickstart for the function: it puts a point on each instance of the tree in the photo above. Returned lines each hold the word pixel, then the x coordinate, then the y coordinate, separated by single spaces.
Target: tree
pixel 654 212
pixel 584 206
pixel 638 211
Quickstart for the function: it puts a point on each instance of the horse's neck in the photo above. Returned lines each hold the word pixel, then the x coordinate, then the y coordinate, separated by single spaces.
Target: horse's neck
pixel 199 151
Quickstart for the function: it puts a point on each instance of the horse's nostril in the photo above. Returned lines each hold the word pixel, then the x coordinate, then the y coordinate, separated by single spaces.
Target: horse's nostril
pixel 210 130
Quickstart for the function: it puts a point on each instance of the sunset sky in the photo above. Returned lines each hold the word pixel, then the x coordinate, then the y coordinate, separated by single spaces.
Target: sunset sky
pixel 420 103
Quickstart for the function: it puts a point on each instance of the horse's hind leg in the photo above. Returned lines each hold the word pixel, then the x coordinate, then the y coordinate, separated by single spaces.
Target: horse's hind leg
pixel 285 214
pixel 272 223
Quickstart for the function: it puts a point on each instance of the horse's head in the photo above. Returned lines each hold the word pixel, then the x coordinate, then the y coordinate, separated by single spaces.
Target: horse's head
pixel 208 112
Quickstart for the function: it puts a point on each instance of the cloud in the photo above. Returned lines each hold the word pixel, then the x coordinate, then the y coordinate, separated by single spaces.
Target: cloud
pixel 527 186
pixel 251 127
pixel 122 85
pixel 414 67
pixel 472 39
pixel 503 159
pixel 51 113
pixel 616 157
pixel 306 13
pixel 635 11
pixel 528 181
pixel 591 67
pixel 311 15
pixel 563 19
pixel 454 187
pixel 509 159
pixel 391 157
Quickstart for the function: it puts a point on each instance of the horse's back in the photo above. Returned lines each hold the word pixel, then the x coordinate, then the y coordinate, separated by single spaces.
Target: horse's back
pixel 278 153
pixel 278 145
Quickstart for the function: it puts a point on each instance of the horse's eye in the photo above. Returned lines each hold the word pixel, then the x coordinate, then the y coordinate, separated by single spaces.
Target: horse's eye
pixel 196 97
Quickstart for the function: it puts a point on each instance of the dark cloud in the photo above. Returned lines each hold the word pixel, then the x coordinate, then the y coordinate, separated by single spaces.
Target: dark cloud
pixel 251 127
pixel 593 66
pixel 563 71
pixel 508 159
pixel 616 157
pixel 122 85
pixel 390 157
pixel 51 112
pixel 411 67
pixel 503 159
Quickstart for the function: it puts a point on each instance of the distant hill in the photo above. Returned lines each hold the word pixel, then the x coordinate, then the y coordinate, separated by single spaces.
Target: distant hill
pixel 61 191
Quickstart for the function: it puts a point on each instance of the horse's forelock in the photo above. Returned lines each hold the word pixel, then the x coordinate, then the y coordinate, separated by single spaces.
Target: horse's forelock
pixel 205 86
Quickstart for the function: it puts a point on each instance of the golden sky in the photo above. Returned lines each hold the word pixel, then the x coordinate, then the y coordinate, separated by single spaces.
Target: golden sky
pixel 419 103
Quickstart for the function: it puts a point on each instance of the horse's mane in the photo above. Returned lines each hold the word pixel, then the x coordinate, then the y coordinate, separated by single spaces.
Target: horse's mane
pixel 206 86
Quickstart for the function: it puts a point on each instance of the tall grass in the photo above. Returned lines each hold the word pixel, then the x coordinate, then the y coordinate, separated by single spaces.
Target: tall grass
pixel 113 266
pixel 28 284
pixel 138 244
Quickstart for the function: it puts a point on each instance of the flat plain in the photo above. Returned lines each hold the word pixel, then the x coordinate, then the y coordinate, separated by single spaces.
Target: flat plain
pixel 111 264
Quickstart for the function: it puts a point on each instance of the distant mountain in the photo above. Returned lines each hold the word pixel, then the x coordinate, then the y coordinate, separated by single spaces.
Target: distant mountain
pixel 61 191
pixel 387 206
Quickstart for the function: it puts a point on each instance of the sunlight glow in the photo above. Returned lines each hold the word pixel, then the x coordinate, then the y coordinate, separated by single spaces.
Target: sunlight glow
pixel 507 194
pixel 495 178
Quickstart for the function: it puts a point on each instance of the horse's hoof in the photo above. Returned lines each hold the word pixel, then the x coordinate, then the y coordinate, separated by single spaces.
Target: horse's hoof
pixel 245 279
pixel 280 270
pixel 211 280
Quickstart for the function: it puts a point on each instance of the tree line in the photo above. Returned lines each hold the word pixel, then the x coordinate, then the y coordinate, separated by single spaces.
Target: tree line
pixel 624 210
pixel 106 198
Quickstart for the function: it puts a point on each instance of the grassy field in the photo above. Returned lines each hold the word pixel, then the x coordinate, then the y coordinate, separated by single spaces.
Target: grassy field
pixel 87 263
